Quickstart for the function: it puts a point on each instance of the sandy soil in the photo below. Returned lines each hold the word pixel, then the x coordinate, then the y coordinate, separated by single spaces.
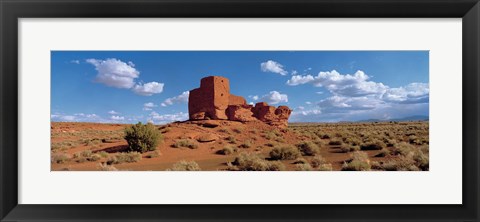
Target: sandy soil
pixel 72 138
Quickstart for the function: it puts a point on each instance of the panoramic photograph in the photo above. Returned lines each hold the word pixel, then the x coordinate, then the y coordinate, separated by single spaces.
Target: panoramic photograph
pixel 239 111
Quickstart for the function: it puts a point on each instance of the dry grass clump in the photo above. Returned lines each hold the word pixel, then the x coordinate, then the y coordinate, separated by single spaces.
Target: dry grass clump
pixel 345 148
pixel 106 167
pixel 303 167
pixel 335 142
pixel 374 144
pixel 284 153
pixel 254 162
pixel 319 163
pixel 125 158
pixel 227 150
pixel 231 139
pixel 359 162
pixel 59 158
pixel 185 166
pixel 308 148
pixel 188 143
pixel 246 144
pixel 86 155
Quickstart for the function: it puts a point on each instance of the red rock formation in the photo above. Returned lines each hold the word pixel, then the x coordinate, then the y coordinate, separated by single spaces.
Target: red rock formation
pixel 214 101
pixel 242 113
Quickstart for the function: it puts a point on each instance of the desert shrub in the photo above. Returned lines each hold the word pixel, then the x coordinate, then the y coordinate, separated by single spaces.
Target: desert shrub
pixel 345 148
pixel 319 163
pixel 223 130
pixel 308 148
pixel 226 150
pixel 142 137
pixel 125 158
pixel 284 153
pixel 359 162
pixel 335 142
pixel 374 144
pixel 246 144
pixel 192 144
pixel 103 154
pixel 304 167
pixel 383 153
pixel 106 167
pixel 231 139
pixel 185 166
pixel 402 163
pixel 403 148
pixel 325 167
pixel 59 158
pixel 352 141
pixel 272 135
pixel 253 162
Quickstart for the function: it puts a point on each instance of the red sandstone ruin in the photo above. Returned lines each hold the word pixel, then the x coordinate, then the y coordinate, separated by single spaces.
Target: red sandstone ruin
pixel 214 101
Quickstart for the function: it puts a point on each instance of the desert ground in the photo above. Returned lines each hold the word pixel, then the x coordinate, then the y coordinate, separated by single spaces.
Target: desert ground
pixel 211 145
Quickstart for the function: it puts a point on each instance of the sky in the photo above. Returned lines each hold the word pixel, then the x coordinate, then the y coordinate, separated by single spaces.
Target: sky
pixel 319 86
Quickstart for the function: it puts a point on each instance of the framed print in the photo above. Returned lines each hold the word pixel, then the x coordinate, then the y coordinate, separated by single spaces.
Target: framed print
pixel 257 110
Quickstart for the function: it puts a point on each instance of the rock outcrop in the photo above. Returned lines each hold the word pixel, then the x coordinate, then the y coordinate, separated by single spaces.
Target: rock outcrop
pixel 214 101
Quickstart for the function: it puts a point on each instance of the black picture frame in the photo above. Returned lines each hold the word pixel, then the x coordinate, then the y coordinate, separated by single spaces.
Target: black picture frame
pixel 11 11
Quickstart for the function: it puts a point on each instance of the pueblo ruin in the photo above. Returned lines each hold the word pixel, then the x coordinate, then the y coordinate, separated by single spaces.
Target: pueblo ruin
pixel 214 101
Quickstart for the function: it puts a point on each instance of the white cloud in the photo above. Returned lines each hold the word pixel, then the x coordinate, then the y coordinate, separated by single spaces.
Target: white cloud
pixel 117 118
pixel 148 89
pixel 255 97
pixel 272 66
pixel 300 108
pixel 319 93
pixel 308 103
pixel 75 61
pixel 340 104
pixel 149 106
pixel 294 72
pixel 411 93
pixel 167 118
pixel 77 117
pixel 274 97
pixel 114 73
pixel 113 112
pixel 182 98
pixel 346 85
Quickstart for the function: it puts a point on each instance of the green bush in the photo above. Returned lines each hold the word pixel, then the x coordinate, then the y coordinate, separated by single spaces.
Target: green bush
pixel 284 153
pixel 142 138
pixel 308 148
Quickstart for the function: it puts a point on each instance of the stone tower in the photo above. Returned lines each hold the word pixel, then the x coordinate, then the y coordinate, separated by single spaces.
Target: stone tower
pixel 212 99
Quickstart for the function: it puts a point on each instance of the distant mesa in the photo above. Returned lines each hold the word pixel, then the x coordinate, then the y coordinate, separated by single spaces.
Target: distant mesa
pixel 214 101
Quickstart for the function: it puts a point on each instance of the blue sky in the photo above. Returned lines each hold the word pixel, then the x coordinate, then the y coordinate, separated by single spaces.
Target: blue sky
pixel 319 86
